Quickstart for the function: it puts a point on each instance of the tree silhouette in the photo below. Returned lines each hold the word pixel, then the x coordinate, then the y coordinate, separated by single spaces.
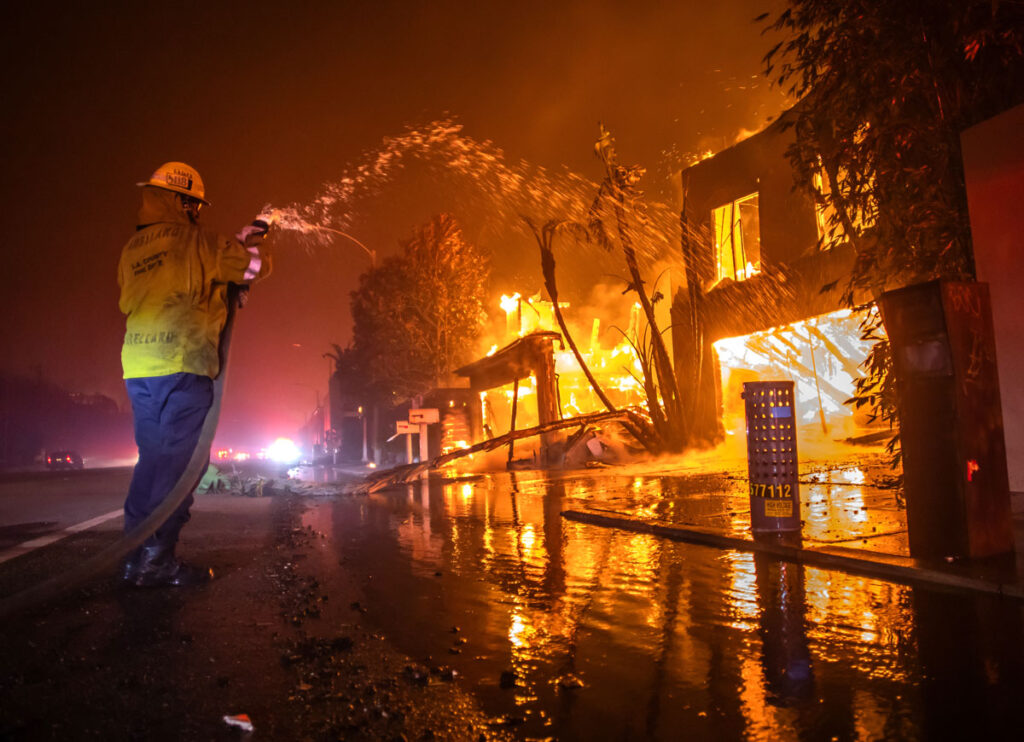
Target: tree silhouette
pixel 417 315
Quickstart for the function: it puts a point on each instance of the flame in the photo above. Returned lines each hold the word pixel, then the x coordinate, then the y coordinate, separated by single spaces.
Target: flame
pixel 614 364
pixel 822 355
pixel 510 303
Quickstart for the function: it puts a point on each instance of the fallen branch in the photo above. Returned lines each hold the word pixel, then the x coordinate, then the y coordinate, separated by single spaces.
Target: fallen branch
pixel 408 472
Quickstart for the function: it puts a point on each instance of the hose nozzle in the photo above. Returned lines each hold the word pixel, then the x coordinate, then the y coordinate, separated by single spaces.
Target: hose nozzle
pixel 269 216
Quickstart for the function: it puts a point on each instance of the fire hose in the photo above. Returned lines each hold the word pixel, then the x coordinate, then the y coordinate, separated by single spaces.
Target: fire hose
pixel 108 558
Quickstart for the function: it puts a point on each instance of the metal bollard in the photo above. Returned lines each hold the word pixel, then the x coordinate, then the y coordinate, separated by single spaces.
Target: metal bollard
pixel 771 457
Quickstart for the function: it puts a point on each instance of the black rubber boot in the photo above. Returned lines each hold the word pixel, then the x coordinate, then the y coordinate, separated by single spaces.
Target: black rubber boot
pixel 130 565
pixel 158 567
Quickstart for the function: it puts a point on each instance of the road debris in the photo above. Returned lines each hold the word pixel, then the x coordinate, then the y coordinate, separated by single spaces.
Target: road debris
pixel 242 721
pixel 233 481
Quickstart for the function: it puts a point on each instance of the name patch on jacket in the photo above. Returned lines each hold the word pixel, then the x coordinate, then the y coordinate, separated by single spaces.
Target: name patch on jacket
pixel 148 263
pixel 145 338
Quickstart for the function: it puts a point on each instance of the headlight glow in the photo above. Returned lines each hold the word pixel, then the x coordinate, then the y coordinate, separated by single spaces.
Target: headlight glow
pixel 283 451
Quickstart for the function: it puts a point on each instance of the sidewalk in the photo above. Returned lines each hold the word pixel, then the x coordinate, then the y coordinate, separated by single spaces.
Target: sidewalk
pixel 851 520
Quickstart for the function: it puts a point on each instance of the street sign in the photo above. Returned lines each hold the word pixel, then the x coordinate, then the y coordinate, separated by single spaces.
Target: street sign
pixel 424 416
pixel 404 427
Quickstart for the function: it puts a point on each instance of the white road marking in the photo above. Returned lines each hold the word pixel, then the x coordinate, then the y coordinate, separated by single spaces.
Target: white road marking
pixel 26 546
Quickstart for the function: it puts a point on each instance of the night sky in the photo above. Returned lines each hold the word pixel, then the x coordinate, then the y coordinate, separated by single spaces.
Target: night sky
pixel 269 102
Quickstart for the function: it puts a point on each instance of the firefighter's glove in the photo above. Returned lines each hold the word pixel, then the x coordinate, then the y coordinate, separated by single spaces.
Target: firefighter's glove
pixel 252 235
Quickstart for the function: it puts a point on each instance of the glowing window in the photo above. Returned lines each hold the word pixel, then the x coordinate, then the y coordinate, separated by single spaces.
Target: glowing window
pixel 737 239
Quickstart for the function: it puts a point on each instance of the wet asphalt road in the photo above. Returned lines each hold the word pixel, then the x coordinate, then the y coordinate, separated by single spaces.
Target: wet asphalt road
pixel 266 639
pixel 468 609
pixel 41 503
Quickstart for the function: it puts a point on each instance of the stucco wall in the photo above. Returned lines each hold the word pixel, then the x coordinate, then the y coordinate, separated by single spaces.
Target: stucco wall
pixel 993 154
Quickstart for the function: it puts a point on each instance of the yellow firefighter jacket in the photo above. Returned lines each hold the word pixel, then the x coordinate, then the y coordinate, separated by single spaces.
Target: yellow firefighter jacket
pixel 173 276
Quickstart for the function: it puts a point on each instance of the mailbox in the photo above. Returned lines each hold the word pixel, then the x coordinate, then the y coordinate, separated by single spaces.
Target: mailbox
pixel 424 416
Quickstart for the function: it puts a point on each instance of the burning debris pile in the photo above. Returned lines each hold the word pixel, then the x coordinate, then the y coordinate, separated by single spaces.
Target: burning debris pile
pixel 409 472
pixel 601 373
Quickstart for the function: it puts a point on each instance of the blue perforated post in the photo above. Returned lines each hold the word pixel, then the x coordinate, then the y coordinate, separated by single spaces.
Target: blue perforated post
pixel 771 457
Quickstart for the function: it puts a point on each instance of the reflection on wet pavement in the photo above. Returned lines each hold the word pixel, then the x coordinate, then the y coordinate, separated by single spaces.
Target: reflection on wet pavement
pixel 577 632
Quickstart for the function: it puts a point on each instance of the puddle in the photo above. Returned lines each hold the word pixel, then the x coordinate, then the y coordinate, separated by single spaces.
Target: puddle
pixel 577 632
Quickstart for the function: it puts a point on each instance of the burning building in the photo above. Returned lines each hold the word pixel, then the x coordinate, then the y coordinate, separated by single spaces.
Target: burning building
pixel 754 293
pixel 756 296
pixel 762 295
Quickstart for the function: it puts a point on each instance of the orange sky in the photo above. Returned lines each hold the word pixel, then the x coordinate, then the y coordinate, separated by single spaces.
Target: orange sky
pixel 268 102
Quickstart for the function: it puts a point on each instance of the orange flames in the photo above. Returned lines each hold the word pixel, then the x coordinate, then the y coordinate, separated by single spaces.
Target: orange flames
pixel 821 354
pixel 615 364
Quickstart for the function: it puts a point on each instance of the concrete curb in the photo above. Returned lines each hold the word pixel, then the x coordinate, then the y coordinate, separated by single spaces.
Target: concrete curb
pixel 890 567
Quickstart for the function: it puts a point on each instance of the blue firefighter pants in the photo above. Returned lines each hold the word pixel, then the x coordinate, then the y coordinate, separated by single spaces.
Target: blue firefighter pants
pixel 169 413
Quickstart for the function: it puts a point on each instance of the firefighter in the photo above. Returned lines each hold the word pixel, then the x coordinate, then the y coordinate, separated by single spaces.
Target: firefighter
pixel 174 277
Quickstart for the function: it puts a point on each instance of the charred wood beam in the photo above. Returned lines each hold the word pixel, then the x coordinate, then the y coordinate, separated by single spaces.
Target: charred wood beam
pixel 830 389
pixel 512 425
pixel 764 347
pixel 824 387
pixel 849 366
pixel 630 419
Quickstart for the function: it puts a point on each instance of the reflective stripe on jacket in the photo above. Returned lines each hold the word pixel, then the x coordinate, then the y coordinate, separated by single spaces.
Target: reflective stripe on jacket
pixel 173 276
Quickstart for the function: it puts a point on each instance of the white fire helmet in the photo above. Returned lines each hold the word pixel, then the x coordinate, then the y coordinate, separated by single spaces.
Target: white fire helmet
pixel 180 178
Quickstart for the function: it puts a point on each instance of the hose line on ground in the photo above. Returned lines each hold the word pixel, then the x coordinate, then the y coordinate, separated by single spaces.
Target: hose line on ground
pixel 108 558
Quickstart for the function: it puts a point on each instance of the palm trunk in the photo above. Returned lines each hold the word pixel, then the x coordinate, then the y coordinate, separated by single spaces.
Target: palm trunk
pixel 547 261
pixel 666 376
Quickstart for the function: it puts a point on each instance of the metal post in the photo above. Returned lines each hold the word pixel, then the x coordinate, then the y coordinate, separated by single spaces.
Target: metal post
pixel 365 454
pixel 424 443
pixel 375 434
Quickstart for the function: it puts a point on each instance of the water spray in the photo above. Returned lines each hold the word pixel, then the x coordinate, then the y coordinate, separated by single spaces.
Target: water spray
pixel 479 176
pixel 290 220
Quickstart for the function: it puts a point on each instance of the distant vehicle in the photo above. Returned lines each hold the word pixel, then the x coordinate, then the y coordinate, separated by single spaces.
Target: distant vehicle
pixel 64 460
